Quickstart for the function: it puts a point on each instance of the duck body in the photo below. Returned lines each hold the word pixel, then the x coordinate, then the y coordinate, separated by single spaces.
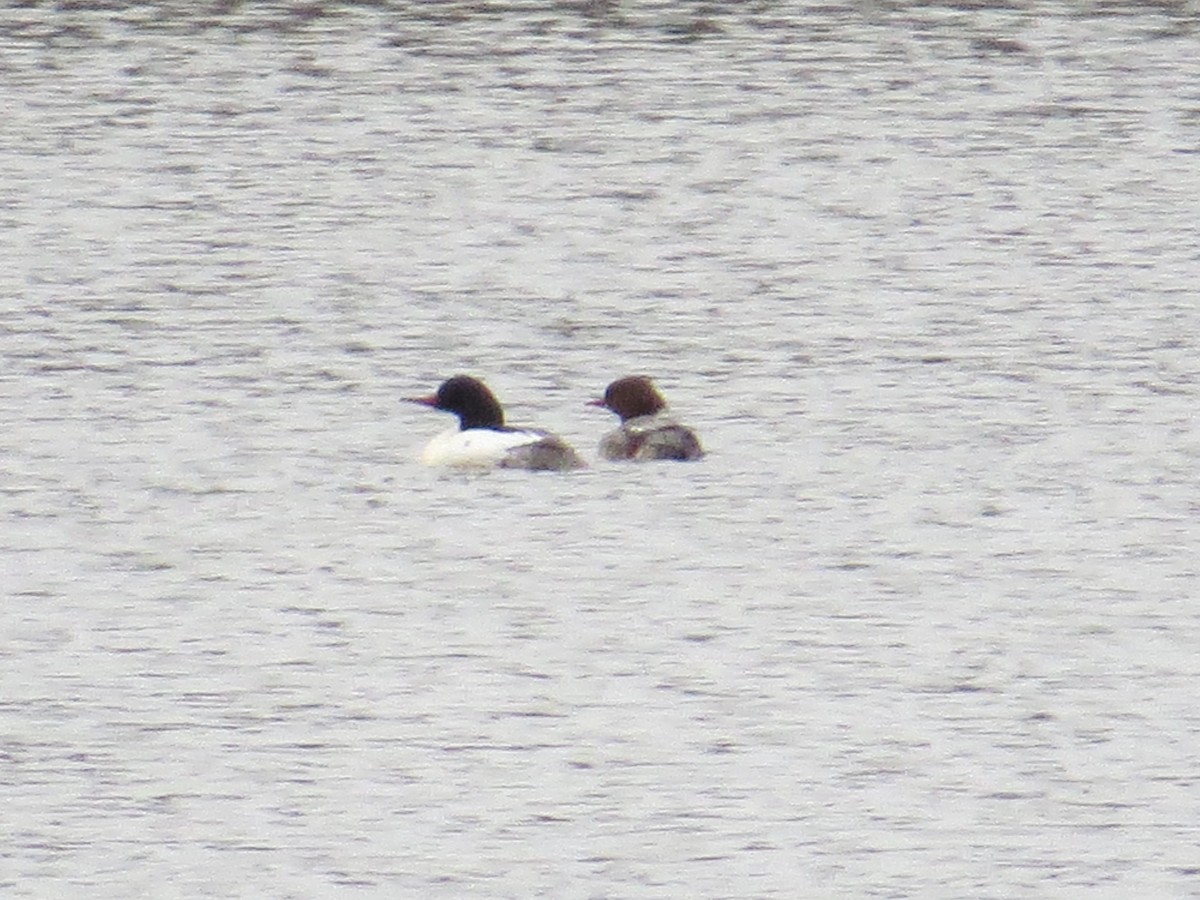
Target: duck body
pixel 486 448
pixel 482 440
pixel 647 430
pixel 651 437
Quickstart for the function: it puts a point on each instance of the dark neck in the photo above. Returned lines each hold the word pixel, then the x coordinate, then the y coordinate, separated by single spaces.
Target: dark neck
pixel 481 413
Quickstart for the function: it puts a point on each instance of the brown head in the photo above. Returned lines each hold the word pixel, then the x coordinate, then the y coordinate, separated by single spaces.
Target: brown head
pixel 469 399
pixel 631 397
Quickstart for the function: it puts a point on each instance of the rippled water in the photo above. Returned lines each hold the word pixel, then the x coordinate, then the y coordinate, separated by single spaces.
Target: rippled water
pixel 923 623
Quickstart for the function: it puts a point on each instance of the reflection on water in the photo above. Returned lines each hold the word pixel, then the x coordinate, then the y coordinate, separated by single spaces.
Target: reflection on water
pixel 920 274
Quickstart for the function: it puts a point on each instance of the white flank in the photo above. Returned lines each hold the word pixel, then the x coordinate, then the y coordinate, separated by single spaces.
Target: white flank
pixel 477 447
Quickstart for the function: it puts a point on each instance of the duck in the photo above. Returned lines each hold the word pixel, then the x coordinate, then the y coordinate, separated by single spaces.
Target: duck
pixel 647 430
pixel 482 440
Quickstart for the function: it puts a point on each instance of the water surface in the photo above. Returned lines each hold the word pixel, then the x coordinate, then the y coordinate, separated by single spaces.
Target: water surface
pixel 921 624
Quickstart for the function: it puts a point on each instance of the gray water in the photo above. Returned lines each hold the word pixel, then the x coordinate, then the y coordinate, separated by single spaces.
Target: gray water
pixel 923 276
